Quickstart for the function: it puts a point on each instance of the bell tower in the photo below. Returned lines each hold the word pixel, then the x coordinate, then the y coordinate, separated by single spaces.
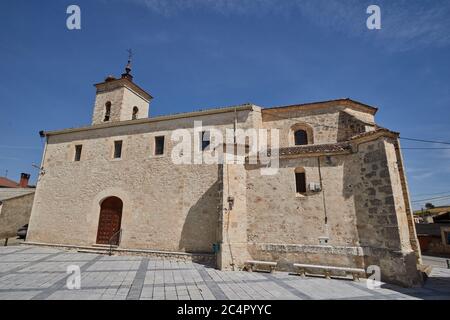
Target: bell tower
pixel 120 99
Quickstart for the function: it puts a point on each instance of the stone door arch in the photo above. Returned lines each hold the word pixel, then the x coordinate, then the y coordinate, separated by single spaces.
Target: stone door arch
pixel 110 220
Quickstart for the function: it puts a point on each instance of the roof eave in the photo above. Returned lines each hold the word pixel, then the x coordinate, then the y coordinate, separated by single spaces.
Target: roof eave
pixel 151 120
pixel 371 109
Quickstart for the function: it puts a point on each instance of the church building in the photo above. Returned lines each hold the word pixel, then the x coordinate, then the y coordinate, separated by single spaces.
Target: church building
pixel 339 196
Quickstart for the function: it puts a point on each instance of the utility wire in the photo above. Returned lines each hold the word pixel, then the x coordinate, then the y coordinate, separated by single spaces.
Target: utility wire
pixel 334 127
pixel 425 141
pixel 430 194
pixel 429 199
pixel 408 148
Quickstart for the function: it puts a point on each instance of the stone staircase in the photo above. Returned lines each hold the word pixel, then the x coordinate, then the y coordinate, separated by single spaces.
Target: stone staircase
pixel 98 249
pixel 208 259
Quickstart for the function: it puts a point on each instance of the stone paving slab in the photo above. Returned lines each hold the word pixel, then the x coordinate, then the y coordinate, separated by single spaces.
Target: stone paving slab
pixel 41 273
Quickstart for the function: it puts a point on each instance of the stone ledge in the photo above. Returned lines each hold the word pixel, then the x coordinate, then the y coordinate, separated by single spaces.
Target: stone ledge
pixel 300 248
pixel 338 250
pixel 203 258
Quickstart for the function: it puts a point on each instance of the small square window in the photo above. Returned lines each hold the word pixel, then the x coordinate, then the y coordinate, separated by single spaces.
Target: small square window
pixel 205 140
pixel 117 149
pixel 159 145
pixel 78 149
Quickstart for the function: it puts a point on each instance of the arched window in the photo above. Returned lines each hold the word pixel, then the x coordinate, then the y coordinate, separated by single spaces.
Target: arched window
pixel 300 180
pixel 301 134
pixel 135 113
pixel 107 111
pixel 300 137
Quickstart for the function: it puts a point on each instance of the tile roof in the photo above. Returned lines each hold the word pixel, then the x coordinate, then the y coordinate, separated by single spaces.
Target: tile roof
pixel 7 183
pixel 376 131
pixel 319 148
pixel 346 102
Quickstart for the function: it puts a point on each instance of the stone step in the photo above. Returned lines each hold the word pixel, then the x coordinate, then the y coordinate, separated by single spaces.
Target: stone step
pixel 204 258
pixel 94 251
pixel 106 246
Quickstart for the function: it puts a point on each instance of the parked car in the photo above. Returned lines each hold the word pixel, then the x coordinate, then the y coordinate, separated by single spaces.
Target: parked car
pixel 22 232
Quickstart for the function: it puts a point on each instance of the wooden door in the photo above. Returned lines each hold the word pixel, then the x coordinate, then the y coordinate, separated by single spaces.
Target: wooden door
pixel 110 220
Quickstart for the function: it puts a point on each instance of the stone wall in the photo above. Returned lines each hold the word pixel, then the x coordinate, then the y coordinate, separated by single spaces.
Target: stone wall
pixel 15 213
pixel 381 212
pixel 328 125
pixel 363 203
pixel 122 102
pixel 233 224
pixel 288 227
pixel 359 218
pixel 115 97
pixel 437 245
pixel 167 206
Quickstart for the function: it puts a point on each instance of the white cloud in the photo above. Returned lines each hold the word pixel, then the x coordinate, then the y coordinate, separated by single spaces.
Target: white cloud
pixel 406 24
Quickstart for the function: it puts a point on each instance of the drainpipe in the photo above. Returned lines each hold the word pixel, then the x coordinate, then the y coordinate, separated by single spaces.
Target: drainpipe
pixel 323 197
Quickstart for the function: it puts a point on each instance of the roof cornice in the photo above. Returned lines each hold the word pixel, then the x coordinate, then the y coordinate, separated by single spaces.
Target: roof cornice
pixel 124 82
pixel 323 104
pixel 152 120
pixel 372 135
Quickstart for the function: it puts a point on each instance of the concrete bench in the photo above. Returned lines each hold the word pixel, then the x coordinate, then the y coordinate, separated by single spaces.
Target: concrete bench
pixel 327 270
pixel 254 265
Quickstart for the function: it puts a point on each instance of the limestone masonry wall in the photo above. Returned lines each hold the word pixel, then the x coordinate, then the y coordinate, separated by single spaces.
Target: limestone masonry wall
pixel 15 213
pixel 359 217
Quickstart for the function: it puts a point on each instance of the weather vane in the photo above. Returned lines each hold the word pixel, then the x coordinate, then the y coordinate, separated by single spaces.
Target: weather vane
pixel 130 54
pixel 128 67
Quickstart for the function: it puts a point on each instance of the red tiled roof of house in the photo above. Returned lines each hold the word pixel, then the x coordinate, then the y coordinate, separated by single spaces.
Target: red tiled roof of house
pixel 7 183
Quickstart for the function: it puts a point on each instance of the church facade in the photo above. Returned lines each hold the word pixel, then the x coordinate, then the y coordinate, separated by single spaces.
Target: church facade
pixel 339 196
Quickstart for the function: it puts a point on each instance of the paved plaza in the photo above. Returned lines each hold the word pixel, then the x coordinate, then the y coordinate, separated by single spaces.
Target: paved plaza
pixel 28 272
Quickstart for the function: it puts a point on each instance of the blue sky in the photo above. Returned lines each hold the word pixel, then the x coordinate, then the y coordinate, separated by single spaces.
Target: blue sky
pixel 197 54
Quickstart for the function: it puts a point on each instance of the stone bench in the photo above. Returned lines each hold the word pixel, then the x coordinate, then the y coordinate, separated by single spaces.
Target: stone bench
pixel 327 270
pixel 254 265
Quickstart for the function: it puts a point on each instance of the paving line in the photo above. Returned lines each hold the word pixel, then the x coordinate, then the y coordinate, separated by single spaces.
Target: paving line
pixel 60 284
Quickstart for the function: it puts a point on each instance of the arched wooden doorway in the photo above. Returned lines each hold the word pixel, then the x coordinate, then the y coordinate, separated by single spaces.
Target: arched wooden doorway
pixel 110 220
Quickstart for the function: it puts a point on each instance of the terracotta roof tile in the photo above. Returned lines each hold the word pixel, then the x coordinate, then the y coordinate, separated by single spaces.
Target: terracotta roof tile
pixel 311 149
pixel 369 133
pixel 319 148
pixel 7 183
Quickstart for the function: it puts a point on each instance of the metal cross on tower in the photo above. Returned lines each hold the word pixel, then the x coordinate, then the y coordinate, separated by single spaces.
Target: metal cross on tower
pixel 130 55
pixel 128 67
